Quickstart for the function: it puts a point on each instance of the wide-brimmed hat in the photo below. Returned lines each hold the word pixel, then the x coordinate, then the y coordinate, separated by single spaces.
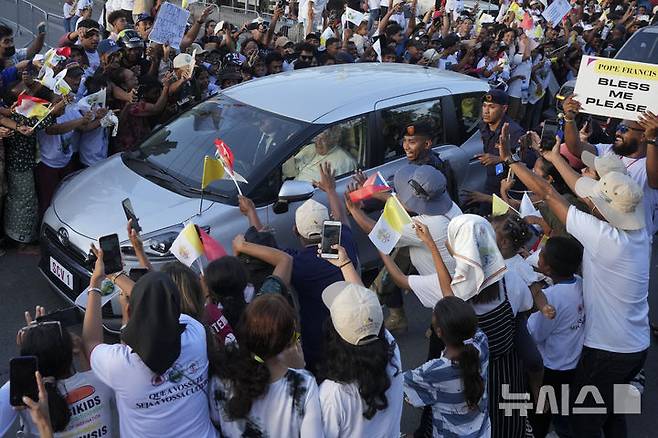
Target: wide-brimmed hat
pixel 604 164
pixel 422 190
pixel 617 197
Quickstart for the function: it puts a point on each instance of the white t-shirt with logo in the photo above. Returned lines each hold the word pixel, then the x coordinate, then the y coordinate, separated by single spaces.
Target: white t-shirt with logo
pixel 289 408
pixel 615 283
pixel 560 340
pixel 173 404
pixel 57 150
pixel 89 401
pixel 637 169
pixel 420 256
pixel 342 406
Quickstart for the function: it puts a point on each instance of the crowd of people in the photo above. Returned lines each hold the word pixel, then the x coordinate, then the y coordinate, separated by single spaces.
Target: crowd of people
pixel 282 342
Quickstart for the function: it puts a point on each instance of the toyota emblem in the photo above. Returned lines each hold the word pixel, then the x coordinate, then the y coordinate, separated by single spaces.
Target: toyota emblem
pixel 63 236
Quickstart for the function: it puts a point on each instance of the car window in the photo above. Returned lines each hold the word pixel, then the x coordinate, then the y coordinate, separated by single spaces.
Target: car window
pixel 395 121
pixel 468 106
pixel 642 47
pixel 343 145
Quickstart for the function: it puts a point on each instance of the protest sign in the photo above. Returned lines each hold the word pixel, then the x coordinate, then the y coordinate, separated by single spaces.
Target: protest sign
pixel 614 88
pixel 556 11
pixel 169 26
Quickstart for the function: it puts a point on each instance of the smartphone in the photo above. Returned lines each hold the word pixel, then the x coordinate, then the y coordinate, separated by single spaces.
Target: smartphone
pixel 67 317
pixel 500 168
pixel 330 236
pixel 111 253
pixel 137 273
pixel 548 134
pixel 22 381
pixel 130 213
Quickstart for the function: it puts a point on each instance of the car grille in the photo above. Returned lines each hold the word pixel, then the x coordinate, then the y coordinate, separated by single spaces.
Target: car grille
pixel 69 250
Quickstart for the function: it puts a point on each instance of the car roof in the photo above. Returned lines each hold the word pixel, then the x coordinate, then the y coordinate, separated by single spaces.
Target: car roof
pixel 311 93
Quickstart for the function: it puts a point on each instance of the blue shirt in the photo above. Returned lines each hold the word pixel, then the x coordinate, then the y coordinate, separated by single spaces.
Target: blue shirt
pixel 310 276
pixel 438 383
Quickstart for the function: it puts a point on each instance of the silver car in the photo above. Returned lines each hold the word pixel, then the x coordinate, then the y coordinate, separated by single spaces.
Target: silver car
pixel 279 128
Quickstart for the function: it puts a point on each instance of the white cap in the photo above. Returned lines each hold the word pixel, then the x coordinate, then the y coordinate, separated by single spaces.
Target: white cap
pixel 195 46
pixel 617 197
pixel 604 164
pixel 182 60
pixel 355 312
pixel 310 217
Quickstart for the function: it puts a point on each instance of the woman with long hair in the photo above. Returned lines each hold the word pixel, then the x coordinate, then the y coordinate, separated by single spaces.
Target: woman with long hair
pixel 189 285
pixel 255 393
pixel 454 385
pixel 361 393
pixel 78 402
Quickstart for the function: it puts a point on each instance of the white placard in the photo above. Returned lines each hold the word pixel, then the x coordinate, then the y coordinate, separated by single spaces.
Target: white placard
pixel 619 89
pixel 169 26
pixel 556 11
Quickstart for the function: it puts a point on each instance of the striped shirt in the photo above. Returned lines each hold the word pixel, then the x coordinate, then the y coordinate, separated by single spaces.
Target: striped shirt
pixel 438 383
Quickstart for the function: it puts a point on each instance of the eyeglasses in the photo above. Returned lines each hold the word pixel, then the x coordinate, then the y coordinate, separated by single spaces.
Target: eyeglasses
pixel 623 128
pixel 420 191
pixel 42 324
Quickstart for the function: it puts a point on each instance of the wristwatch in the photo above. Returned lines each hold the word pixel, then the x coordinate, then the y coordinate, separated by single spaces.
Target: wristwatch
pixel 514 158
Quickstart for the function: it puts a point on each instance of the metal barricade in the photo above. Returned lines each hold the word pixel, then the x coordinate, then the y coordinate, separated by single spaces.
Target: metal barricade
pixel 26 17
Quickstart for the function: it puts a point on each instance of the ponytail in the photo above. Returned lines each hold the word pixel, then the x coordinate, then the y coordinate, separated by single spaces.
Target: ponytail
pixel 58 408
pixel 250 379
pixel 469 365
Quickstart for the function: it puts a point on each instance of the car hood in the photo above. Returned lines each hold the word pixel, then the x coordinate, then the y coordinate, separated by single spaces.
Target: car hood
pixel 90 202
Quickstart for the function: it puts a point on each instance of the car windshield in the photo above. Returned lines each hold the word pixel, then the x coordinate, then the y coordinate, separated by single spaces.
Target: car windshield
pixel 179 148
pixel 642 47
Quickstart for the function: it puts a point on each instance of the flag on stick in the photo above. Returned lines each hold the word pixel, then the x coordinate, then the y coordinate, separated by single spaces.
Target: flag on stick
pixel 213 170
pixel 187 247
pixel 387 231
pixel 374 184
pixel 211 248
pixel 30 106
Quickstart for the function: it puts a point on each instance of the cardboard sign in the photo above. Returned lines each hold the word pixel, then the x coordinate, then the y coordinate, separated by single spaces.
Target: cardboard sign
pixel 618 89
pixel 169 26
pixel 556 11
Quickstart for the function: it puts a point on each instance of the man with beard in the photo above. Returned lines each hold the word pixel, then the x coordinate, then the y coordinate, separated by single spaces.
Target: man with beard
pixel 9 55
pixel 635 144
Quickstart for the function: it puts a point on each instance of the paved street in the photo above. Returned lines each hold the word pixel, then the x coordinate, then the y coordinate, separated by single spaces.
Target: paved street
pixel 22 287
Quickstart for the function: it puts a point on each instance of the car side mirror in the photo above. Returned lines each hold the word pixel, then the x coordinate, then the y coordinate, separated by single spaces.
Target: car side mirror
pixel 292 191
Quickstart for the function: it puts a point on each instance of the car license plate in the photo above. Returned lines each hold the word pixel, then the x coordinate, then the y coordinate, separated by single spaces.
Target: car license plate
pixel 61 272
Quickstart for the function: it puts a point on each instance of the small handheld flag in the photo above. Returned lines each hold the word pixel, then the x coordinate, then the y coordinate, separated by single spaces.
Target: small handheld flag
pixel 211 248
pixel 387 231
pixel 213 170
pixel 374 184
pixel 30 107
pixel 187 247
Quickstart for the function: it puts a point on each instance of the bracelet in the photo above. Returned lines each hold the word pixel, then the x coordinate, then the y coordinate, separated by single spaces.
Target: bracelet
pixel 94 289
pixel 117 275
pixel 345 264
pixel 651 141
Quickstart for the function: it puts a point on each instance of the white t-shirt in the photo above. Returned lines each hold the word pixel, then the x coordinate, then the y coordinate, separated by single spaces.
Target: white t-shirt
pixel 637 169
pixel 57 150
pixel 68 10
pixel 94 60
pixel 89 401
pixel 519 88
pixel 342 406
pixel 289 408
pixel 560 340
pixel 428 291
pixel 92 145
pixel 421 257
pixel 524 269
pixel 174 404
pixel 447 62
pixel 615 283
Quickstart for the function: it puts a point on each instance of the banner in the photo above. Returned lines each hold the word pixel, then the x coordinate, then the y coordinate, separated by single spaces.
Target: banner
pixel 618 89
pixel 169 26
pixel 556 11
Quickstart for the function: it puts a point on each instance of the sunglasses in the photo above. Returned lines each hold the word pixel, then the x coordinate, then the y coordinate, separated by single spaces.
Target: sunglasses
pixel 419 190
pixel 42 324
pixel 623 128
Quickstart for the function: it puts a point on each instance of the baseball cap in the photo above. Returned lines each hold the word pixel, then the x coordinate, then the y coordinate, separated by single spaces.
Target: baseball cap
pixel 617 196
pixel 355 312
pixel 107 47
pixel 604 164
pixel 496 96
pixel 422 189
pixel 130 38
pixel 196 46
pixel 182 60
pixel 144 16
pixel 282 42
pixel 309 218
pixel 431 55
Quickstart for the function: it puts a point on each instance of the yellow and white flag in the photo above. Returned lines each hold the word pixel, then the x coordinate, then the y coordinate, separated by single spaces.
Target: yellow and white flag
pixel 498 206
pixel 212 171
pixel 187 247
pixel 387 231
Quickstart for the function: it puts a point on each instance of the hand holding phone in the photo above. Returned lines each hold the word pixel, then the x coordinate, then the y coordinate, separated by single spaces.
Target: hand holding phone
pixel 22 381
pixel 331 231
pixel 548 134
pixel 130 214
